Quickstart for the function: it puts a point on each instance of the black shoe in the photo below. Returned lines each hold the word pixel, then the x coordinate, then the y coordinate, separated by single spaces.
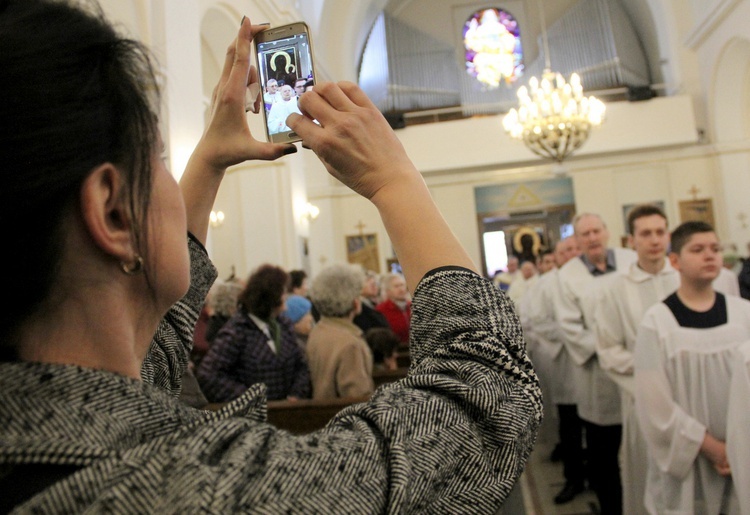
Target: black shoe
pixel 556 454
pixel 568 493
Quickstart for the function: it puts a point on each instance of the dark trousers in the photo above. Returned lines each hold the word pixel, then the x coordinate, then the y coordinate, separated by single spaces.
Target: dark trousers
pixel 571 446
pixel 603 444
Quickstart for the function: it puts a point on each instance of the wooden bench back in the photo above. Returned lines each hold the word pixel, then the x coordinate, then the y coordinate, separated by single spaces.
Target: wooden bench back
pixel 381 377
pixel 302 416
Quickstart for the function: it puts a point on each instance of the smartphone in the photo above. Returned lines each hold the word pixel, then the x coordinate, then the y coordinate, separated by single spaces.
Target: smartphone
pixel 285 67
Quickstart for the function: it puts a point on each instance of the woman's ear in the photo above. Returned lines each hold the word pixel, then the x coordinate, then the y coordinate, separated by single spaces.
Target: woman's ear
pixel 104 209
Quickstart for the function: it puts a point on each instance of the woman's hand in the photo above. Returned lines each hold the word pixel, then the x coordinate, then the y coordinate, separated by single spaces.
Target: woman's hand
pixel 227 140
pixel 359 148
pixel 354 140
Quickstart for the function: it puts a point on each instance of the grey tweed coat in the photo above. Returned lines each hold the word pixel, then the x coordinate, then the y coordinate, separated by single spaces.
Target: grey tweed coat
pixel 452 437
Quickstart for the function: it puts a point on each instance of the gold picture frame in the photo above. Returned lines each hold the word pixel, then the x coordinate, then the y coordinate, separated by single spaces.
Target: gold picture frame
pixel 363 250
pixel 699 210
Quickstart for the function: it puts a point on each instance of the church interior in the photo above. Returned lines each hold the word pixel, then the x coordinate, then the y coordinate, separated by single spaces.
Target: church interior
pixel 673 76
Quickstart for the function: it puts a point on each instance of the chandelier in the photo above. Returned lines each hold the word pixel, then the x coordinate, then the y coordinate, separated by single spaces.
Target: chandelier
pixel 553 118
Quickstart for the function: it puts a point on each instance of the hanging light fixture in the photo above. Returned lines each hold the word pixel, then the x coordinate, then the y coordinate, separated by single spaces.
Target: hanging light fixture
pixel 553 118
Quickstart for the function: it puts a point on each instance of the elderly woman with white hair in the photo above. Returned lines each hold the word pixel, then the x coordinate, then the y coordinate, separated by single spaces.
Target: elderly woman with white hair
pixel 339 358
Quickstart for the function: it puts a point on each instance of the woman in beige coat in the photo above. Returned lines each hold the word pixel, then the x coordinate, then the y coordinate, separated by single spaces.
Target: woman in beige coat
pixel 339 358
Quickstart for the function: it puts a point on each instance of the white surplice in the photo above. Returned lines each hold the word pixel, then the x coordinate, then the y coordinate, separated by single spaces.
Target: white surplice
pixel 550 348
pixel 278 114
pixel 597 396
pixel 681 384
pixel 619 311
pixel 519 287
pixel 727 283
pixel 738 426
pixel 539 353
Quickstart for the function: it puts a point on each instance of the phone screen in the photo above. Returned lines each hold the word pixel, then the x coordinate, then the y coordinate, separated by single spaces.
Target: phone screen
pixel 286 72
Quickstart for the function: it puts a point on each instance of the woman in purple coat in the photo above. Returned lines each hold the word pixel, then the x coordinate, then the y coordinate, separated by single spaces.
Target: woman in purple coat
pixel 257 345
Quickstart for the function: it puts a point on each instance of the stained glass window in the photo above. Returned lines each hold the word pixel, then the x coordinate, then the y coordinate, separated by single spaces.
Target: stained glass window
pixel 493 47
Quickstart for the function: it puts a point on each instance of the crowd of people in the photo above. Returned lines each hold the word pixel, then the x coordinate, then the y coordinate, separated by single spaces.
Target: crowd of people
pixel 322 339
pixel 110 274
pixel 636 350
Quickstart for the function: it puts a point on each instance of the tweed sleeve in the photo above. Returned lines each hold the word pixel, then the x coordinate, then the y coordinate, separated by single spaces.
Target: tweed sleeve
pixel 170 348
pixel 451 437
pixel 455 434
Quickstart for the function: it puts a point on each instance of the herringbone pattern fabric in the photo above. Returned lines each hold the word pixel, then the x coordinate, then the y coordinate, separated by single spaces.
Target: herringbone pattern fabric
pixel 450 438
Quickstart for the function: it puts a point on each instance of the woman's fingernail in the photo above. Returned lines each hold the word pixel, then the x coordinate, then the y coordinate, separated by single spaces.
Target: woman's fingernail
pixel 291 149
pixel 243 20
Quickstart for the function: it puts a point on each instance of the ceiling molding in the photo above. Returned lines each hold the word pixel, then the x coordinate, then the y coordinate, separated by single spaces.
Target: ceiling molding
pixel 705 26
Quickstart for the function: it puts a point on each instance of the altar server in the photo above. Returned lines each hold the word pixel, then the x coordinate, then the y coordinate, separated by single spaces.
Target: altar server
pixel 618 312
pixel 684 353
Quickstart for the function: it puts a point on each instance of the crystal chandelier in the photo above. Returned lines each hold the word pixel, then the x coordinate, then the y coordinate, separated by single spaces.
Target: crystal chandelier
pixel 553 118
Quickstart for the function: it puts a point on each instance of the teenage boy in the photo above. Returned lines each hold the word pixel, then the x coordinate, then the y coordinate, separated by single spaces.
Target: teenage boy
pixel 619 310
pixel 683 360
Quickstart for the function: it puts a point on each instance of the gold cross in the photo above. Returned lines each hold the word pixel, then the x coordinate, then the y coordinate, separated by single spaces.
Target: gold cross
pixel 360 226
pixel 694 192
pixel 742 217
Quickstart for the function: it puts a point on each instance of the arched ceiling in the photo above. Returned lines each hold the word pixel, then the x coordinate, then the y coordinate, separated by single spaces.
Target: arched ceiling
pixel 340 27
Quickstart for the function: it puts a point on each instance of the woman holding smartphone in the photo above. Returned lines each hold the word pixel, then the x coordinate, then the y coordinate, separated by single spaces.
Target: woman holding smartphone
pixel 108 274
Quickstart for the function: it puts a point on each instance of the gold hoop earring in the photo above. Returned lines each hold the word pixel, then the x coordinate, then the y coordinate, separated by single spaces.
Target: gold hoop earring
pixel 134 268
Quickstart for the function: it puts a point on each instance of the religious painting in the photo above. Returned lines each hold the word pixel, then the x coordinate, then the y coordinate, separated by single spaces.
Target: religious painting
pixel 528 242
pixel 281 63
pixel 699 210
pixel 363 250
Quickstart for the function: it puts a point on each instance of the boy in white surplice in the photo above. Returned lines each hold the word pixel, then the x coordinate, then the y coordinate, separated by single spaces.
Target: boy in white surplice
pixel 683 362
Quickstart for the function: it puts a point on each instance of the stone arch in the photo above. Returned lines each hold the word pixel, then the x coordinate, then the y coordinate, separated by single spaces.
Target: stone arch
pixel 731 84
pixel 216 23
pixel 729 101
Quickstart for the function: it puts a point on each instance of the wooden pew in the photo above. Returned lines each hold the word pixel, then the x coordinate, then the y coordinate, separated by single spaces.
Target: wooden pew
pixel 381 377
pixel 302 416
pixel 307 415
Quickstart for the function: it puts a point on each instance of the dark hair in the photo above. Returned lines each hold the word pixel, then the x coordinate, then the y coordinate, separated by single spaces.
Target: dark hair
pixel 296 278
pixel 383 342
pixel 71 98
pixel 264 291
pixel 681 235
pixel 641 211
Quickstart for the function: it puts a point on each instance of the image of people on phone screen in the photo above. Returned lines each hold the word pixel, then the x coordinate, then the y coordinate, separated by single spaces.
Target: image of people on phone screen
pixel 281 109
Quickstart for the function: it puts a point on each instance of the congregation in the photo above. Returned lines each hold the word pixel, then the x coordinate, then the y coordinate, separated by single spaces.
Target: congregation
pixel 635 348
pixel 584 308
pixel 98 345
pixel 322 339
